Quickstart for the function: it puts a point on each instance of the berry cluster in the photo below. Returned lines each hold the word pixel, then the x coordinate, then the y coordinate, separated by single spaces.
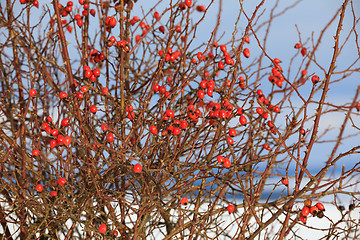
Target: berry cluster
pixel 316 210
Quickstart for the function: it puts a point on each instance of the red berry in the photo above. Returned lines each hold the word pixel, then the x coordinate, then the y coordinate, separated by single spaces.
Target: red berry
pixel 110 137
pixel 176 131
pixel 303 51
pixel 96 72
pixel 315 79
pixel 65 122
pixel 53 193
pixel 131 115
pixel 60 139
pixel 302 131
pixel 84 89
pixel 153 130
pixel 69 28
pixel 162 29
pixel 303 219
pixel 49 119
pixel 112 39
pixel 88 73
pixel 177 28
pixel 277 61
pixel 182 6
pixel 277 65
pixel 105 90
pixel 67 140
pixel 230 208
pixel 222 114
pixel 170 128
pixel 308 203
pixel 211 84
pixel 191 108
pixel 162 90
pixel 61 181
pixel 104 127
pixel 266 146
pixel 304 72
pixel 80 22
pixel 184 201
pixel 102 228
pixel 129 108
pixel 230 140
pixel 240 111
pixel 170 113
pixel 92 12
pixel 63 95
pixel 223 48
pixel 112 22
pixel 276 109
pixel 275 72
pixel 77 17
pixel 265 115
pixel 305 211
pixel 247 39
pixel 220 159
pixel 48 130
pixel 79 95
pixel 36 3
pixel 242 120
pixel 32 93
pixel 137 168
pixel 203 84
pixel 201 94
pixel 314 210
pixel 93 109
pixel 246 53
pixel 54 132
pixel 285 181
pixel 39 188
pixel 44 125
pixel 232 132
pixel 188 3
pixel 156 87
pixel 183 124
pixel 297 46
pixel 227 163
pixel 221 65
pixel 320 206
pixel 35 152
pixel 200 8
pixel 357 106
pixel 156 15
pixel 53 143
pixel 259 110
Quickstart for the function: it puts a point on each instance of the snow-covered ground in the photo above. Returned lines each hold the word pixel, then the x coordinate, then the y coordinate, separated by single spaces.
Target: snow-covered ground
pixel 333 225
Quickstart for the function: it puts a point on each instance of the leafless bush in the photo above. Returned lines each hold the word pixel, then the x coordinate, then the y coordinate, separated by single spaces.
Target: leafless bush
pixel 139 127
